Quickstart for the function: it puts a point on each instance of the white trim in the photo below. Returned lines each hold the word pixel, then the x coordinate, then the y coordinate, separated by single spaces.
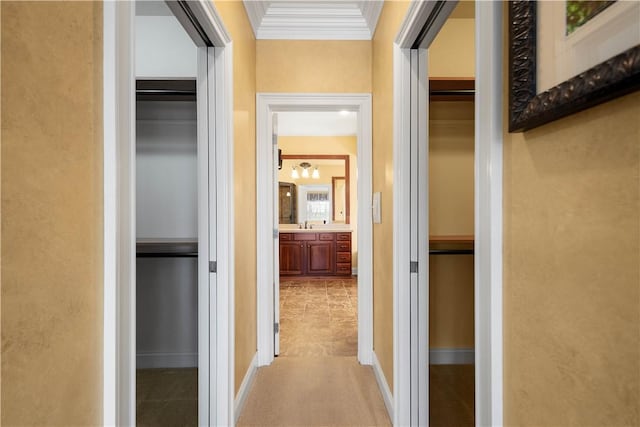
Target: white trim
pixel 488 205
pixel 119 345
pixel 266 104
pixel 256 10
pixel 401 237
pixel 488 214
pixel 371 10
pixel 419 13
pixel 204 329
pixel 210 20
pixel 451 356
pixel 224 318
pixel 383 385
pixel 109 370
pixel 355 20
pixel 354 271
pixel 166 360
pixel 245 387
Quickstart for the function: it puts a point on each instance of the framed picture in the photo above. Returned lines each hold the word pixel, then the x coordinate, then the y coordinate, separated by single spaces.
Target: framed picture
pixel 566 56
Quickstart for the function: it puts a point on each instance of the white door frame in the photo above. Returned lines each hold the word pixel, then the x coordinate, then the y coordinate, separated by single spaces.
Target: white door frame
pixel 119 346
pixel 267 104
pixel 410 104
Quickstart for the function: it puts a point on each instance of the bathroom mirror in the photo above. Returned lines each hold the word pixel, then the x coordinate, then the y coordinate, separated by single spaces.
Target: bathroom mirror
pixel 320 183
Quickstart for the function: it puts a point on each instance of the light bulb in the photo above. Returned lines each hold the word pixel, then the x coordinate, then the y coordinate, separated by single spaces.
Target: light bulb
pixel 294 173
pixel 315 173
pixel 305 173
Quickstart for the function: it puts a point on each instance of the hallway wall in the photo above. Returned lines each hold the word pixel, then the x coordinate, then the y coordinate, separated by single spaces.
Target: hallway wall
pixel 244 116
pixel 388 25
pixel 311 66
pixel 51 299
pixel 571 276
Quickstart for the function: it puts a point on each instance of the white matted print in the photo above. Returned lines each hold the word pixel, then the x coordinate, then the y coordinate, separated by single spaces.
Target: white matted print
pixel 561 56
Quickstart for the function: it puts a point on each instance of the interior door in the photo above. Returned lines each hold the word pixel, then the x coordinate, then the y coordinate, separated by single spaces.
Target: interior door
pixel 276 241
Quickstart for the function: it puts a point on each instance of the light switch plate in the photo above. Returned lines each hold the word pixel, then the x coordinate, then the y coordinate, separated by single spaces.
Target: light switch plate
pixel 376 208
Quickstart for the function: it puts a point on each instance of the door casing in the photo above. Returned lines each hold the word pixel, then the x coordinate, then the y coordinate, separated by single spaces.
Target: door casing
pixel 215 123
pixel 267 104
pixel 422 23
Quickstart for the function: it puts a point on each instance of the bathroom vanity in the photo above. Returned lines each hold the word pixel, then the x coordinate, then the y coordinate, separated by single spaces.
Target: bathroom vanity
pixel 315 252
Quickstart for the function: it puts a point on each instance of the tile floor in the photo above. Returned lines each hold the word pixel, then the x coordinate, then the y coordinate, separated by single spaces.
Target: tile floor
pixel 318 317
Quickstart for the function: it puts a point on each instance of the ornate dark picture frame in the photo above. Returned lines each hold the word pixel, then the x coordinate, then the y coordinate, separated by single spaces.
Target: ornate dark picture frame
pixel 617 76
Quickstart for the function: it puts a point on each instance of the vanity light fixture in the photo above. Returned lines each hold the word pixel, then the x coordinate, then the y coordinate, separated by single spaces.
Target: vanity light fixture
pixel 315 174
pixel 294 173
pixel 305 169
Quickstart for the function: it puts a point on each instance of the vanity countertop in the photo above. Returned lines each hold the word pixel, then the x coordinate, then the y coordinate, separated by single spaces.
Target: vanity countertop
pixel 321 229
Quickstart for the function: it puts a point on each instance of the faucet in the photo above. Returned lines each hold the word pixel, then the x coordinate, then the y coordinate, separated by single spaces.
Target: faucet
pixel 305 224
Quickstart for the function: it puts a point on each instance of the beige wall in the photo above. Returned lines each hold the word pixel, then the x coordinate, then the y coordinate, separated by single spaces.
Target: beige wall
pixel 331 145
pixel 313 66
pixel 452 53
pixel 571 275
pixel 51 213
pixel 390 19
pixel 451 212
pixel 244 115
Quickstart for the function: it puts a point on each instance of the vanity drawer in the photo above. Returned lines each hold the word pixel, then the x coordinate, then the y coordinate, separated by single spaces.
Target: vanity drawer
pixel 286 236
pixel 343 269
pixel 305 236
pixel 343 246
pixel 343 236
pixel 326 236
pixel 343 257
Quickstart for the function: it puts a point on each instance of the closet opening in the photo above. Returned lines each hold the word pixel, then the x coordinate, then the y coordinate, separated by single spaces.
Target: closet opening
pixel 166 198
pixel 451 139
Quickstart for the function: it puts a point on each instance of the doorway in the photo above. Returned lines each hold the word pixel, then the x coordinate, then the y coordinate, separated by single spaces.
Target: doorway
pixel 316 289
pixel 213 209
pixel 411 366
pixel 269 228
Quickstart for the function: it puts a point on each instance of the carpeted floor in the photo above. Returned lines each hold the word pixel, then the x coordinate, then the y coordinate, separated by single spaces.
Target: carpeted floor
pixel 316 380
pixel 167 397
pixel 315 391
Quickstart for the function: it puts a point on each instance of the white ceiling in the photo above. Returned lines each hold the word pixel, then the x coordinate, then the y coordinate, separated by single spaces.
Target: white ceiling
pixel 313 20
pixel 317 123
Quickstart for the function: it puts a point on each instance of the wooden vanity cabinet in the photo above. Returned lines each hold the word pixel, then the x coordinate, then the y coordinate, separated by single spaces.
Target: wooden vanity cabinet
pixel 315 254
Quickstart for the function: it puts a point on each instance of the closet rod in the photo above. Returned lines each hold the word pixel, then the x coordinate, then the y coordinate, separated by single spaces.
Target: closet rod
pixel 451 251
pixel 166 90
pixel 451 92
pixel 167 255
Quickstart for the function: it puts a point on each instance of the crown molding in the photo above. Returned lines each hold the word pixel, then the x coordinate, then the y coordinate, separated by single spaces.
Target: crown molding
pixel 328 20
pixel 371 12
pixel 256 10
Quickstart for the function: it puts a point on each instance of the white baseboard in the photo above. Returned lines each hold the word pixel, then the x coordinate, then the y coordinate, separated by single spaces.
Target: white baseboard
pixel 166 360
pixel 451 356
pixel 354 271
pixel 384 387
pixel 243 391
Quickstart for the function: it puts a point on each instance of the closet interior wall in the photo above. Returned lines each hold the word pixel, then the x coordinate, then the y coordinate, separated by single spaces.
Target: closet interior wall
pixel 451 226
pixel 166 220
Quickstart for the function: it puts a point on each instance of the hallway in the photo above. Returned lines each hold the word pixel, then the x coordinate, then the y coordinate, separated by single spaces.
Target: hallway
pixel 317 379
